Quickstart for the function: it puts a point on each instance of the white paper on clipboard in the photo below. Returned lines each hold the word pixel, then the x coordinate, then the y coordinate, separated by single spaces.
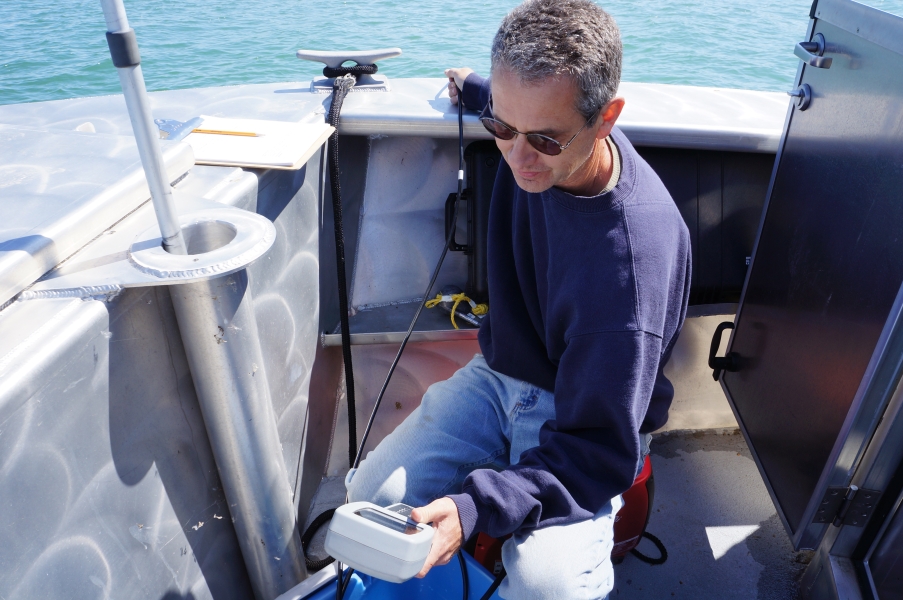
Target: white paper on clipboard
pixel 278 145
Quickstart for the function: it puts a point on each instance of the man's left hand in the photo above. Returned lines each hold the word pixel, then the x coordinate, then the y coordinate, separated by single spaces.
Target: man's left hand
pixel 443 514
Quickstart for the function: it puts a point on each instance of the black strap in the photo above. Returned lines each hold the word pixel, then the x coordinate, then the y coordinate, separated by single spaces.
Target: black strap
pixel 648 559
pixel 124 49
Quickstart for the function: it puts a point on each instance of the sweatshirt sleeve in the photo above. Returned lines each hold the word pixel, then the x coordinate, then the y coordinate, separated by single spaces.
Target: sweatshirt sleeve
pixel 587 455
pixel 476 92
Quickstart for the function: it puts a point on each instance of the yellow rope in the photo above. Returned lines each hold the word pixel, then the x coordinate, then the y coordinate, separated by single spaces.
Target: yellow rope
pixel 477 309
pixel 435 301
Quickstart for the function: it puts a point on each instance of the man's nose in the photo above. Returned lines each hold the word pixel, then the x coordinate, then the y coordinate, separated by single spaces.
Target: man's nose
pixel 522 153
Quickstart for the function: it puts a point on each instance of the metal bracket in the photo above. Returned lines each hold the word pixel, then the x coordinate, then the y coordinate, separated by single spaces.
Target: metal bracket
pixel 847 506
pixel 830 505
pixel 131 253
pixel 861 507
pixel 449 225
pixel 173 130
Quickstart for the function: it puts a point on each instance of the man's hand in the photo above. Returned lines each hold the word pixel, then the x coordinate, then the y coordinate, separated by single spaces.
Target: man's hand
pixel 443 514
pixel 456 77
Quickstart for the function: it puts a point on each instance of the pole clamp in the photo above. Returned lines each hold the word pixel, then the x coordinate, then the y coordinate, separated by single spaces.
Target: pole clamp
pixel 124 49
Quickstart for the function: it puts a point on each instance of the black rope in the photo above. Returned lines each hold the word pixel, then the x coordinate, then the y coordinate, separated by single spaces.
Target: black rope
pixel 649 559
pixel 356 70
pixel 315 565
pixel 340 88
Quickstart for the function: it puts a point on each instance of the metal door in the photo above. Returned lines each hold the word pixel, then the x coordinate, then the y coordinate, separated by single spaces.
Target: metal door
pixel 821 297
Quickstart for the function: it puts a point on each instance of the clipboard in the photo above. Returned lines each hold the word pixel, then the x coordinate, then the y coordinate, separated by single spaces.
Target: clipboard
pixel 273 145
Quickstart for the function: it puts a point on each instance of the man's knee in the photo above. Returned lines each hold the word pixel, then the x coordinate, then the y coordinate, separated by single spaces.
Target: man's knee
pixel 370 484
pixel 566 561
pixel 547 571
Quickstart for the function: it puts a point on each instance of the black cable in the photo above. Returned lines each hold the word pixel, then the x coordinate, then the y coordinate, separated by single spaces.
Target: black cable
pixel 465 581
pixel 495 585
pixel 342 585
pixel 426 294
pixel 649 559
pixel 340 88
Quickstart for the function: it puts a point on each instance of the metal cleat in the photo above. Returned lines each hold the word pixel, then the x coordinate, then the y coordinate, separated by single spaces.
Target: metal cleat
pixel 335 59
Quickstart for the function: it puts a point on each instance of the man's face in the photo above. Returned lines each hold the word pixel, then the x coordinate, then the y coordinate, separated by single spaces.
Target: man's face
pixel 546 107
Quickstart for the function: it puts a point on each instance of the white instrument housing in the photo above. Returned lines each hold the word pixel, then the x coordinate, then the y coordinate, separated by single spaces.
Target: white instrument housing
pixel 381 542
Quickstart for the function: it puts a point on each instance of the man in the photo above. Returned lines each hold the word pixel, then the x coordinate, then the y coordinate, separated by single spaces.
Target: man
pixel 589 270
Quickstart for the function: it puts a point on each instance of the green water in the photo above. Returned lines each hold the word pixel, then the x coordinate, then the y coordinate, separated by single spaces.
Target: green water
pixel 51 49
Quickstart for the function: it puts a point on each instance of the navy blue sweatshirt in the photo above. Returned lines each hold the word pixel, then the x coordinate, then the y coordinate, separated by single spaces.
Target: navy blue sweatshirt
pixel 587 297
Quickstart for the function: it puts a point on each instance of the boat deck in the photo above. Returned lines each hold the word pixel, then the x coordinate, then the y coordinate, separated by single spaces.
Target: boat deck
pixel 711 511
pixel 715 518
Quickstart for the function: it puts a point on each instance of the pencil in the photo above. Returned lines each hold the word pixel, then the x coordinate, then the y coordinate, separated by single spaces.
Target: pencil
pixel 222 132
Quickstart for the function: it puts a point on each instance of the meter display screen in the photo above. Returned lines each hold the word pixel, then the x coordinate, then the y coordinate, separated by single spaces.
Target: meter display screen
pixel 387 521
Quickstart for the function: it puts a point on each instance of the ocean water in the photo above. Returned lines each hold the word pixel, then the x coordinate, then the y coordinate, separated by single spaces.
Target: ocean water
pixel 52 49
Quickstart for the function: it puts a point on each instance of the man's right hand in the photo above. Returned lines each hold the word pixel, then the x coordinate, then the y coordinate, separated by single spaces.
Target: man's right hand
pixel 456 79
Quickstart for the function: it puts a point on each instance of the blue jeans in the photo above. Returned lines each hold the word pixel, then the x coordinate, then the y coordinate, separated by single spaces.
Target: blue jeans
pixel 482 419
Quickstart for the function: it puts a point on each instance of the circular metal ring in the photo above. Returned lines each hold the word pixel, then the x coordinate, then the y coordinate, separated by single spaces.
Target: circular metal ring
pixel 224 240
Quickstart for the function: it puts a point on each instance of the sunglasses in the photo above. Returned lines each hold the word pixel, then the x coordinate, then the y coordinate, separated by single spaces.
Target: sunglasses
pixel 542 143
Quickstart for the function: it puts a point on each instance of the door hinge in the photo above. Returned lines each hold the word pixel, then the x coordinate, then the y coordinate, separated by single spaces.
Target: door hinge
pixel 847 506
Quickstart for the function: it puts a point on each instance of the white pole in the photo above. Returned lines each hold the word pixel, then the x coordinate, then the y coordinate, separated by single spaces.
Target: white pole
pixel 146 135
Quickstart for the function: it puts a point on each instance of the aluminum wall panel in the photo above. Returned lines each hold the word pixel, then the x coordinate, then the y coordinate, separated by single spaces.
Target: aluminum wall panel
pixel 107 484
pixel 285 288
pixel 402 221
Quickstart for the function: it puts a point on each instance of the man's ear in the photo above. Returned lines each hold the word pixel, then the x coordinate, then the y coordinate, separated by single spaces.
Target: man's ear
pixel 608 116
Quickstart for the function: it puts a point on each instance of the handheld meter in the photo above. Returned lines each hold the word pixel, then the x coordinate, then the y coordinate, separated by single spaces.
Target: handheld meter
pixel 381 542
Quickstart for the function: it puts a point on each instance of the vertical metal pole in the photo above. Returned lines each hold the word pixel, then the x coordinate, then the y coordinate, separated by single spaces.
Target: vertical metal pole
pixel 219 332
pixel 147 136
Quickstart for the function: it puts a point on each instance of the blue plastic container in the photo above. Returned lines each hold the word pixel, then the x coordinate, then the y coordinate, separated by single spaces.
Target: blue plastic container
pixel 441 583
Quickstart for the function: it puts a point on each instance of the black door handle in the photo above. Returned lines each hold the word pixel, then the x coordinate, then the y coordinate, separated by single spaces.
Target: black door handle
pixel 731 362
pixel 811 52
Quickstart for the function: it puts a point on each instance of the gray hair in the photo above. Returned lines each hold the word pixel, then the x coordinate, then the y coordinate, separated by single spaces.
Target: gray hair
pixel 546 38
